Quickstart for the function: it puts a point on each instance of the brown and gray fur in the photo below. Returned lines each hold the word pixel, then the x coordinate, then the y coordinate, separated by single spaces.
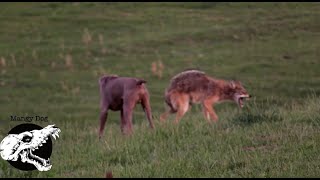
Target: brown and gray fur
pixel 122 94
pixel 194 86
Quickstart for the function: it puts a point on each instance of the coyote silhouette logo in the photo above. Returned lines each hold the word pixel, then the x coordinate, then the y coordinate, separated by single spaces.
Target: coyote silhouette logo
pixel 28 146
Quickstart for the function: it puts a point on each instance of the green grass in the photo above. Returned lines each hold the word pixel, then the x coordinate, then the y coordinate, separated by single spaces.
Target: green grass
pixel 273 48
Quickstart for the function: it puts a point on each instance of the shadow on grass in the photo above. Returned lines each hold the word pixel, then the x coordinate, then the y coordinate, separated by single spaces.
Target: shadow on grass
pixel 249 118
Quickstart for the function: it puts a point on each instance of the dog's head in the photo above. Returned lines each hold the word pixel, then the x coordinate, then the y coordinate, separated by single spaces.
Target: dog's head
pixel 104 79
pixel 239 93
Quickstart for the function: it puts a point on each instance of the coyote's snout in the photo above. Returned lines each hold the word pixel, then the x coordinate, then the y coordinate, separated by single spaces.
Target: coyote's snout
pixel 193 86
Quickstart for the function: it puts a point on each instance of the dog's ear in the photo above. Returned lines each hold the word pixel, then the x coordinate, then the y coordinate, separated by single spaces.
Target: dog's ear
pixel 232 84
pixel 141 81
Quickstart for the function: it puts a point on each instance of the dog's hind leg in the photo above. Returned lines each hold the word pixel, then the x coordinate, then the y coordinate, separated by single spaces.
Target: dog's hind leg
pixel 145 103
pixel 126 121
pixel 123 121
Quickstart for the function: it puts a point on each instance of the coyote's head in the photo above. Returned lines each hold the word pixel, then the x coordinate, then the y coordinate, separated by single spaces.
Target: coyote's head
pixel 239 93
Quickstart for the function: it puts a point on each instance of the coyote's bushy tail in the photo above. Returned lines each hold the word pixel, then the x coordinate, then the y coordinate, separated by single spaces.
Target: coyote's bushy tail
pixel 167 98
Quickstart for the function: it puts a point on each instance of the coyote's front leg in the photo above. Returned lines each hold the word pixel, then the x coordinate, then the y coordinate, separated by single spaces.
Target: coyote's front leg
pixel 209 112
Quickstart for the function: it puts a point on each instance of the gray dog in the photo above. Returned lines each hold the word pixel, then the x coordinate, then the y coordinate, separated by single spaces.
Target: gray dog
pixel 122 94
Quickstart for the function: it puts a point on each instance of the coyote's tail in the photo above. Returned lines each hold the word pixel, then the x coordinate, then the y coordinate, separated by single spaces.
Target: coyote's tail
pixel 167 98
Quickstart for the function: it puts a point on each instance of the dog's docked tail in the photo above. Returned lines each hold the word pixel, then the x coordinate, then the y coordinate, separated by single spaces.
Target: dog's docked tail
pixel 141 81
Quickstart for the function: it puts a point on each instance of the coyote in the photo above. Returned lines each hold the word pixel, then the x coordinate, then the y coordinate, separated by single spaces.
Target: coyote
pixel 194 86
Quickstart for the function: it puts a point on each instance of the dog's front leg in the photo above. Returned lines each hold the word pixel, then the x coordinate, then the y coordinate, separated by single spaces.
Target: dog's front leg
pixel 103 119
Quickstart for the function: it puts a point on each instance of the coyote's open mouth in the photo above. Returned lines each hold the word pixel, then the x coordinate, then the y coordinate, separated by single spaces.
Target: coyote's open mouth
pixel 240 99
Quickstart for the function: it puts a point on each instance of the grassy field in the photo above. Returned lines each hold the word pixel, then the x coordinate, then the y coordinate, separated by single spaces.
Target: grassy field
pixel 52 54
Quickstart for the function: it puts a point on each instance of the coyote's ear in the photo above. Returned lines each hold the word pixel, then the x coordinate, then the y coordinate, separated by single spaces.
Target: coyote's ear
pixel 232 84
